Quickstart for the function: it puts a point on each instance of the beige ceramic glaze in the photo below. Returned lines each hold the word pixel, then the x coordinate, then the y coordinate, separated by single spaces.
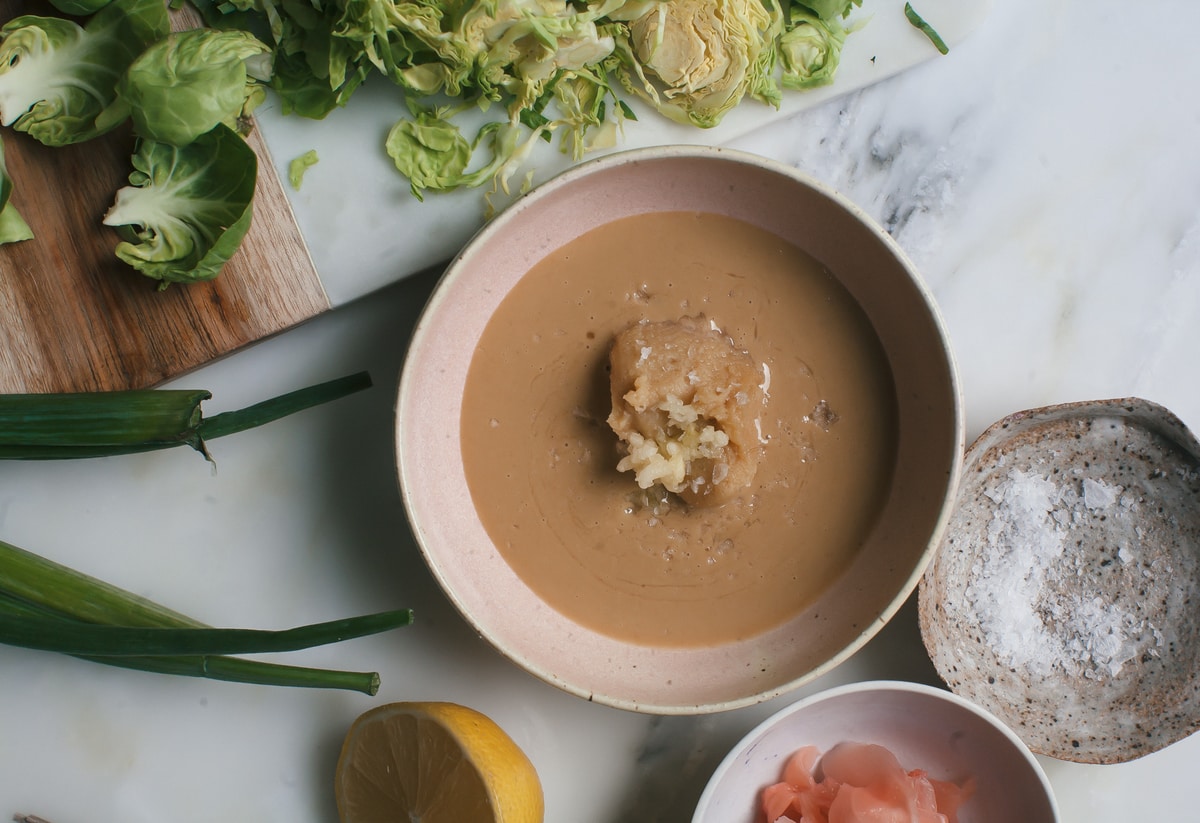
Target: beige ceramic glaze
pixel 926 728
pixel 676 681
pixel 1075 622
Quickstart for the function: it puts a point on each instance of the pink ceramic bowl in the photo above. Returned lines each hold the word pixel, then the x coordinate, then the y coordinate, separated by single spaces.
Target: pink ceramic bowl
pixel 925 727
pixel 502 608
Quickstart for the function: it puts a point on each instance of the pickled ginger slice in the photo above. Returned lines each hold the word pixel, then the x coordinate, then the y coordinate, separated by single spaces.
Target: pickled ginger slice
pixel 859 783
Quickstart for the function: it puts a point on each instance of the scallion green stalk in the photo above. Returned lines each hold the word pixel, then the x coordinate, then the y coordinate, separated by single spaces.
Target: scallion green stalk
pixel 100 424
pixel 215 667
pixel 35 579
pixel 49 597
pixel 97 639
pixel 100 418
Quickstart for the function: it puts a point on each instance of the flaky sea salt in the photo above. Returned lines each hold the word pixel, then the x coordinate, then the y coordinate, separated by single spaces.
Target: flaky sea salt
pixel 1098 494
pixel 1037 609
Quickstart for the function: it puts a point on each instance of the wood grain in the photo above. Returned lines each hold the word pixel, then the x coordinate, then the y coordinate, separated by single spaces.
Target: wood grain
pixel 73 317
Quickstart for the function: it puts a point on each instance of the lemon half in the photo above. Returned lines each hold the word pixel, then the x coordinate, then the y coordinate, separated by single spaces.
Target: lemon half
pixel 434 763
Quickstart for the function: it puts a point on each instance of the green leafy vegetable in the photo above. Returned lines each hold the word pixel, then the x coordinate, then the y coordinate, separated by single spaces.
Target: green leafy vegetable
pixel 539 70
pixel 514 56
pixel 13 227
pixel 185 84
pixel 431 152
pixel 299 165
pixel 925 28
pixel 79 8
pixel 96 424
pixel 187 208
pixel 810 51
pixel 827 9
pixel 694 60
pixel 57 79
pixel 309 91
pixel 547 68
pixel 32 587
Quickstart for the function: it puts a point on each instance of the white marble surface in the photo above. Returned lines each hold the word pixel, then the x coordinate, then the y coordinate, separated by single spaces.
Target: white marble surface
pixel 1043 176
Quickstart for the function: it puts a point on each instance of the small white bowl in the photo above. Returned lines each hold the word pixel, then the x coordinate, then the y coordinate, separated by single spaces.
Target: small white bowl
pixel 703 678
pixel 925 727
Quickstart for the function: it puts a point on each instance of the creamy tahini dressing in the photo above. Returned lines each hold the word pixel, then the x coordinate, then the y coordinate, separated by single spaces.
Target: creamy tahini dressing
pixel 541 462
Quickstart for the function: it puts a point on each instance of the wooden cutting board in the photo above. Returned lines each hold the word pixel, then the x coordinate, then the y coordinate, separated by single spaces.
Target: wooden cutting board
pixel 73 317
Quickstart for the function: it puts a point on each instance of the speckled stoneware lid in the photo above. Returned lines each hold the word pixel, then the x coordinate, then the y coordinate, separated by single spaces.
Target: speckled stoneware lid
pixel 1064 597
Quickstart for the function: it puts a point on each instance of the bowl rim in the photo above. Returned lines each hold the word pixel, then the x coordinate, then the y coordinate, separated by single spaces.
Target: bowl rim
pixel 512 213
pixel 731 758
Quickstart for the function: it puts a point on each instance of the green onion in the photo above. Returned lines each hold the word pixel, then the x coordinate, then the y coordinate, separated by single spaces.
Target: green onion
pixel 275 408
pixel 100 424
pixel 925 28
pixel 34 579
pixel 127 418
pixel 236 670
pixel 213 667
pixel 73 637
pixel 39 596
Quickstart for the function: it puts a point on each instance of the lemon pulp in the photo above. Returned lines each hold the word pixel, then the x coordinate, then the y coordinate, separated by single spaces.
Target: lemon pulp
pixel 434 763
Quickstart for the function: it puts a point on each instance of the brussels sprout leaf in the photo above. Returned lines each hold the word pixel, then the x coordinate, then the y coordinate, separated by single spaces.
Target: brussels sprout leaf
pixel 187 208
pixel 79 8
pixel 188 82
pixel 299 165
pixel 810 51
pixel 58 79
pixel 12 227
